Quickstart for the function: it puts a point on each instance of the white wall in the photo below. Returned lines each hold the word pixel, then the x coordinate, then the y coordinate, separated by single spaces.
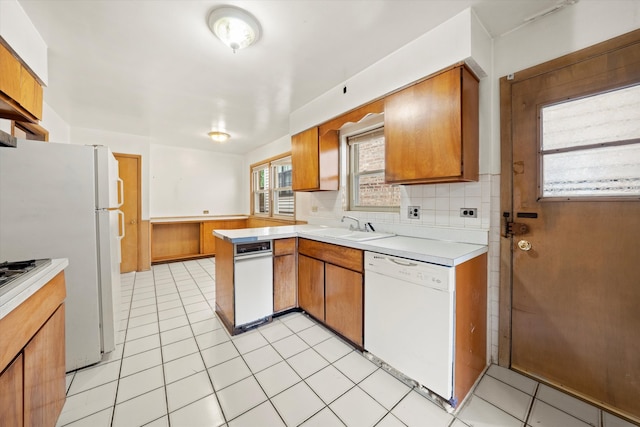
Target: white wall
pixel 576 27
pixel 121 143
pixel 186 182
pixel 584 24
pixel 19 32
pixel 178 181
pixel 59 130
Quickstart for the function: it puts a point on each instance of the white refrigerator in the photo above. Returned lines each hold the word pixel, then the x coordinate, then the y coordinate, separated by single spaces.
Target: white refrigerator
pixel 61 201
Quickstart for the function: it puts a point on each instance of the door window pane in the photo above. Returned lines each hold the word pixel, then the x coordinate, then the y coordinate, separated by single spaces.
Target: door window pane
pixel 602 118
pixel 591 146
pixel 609 171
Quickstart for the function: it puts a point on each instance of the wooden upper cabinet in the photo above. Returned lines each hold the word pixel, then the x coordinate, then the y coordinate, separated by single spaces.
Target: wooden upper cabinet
pixel 9 74
pixel 431 130
pixel 315 153
pixel 30 93
pixel 20 92
pixel 315 160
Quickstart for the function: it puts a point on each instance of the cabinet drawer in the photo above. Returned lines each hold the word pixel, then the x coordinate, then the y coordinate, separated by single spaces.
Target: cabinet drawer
pixel 284 246
pixel 350 258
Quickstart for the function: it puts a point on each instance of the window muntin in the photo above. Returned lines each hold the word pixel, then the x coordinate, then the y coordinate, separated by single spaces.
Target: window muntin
pixel 591 146
pixel 271 188
pixel 368 190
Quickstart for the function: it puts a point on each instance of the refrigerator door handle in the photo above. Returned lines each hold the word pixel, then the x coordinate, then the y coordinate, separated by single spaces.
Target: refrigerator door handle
pixel 120 194
pixel 121 214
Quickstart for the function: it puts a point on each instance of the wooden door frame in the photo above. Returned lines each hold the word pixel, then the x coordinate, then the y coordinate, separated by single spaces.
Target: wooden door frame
pixel 506 161
pixel 139 246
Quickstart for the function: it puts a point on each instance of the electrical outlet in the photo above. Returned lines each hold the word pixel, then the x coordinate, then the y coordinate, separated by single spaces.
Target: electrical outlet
pixel 314 209
pixel 469 212
pixel 414 212
pixel 206 211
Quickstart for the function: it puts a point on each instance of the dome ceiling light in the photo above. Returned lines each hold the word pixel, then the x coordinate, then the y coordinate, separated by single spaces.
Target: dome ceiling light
pixel 235 27
pixel 219 136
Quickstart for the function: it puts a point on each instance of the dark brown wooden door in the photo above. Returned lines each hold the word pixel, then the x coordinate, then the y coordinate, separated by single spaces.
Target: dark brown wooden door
pixel 576 292
pixel 129 168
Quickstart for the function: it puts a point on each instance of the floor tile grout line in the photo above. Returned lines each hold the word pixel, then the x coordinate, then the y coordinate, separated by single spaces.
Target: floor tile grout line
pixel 203 363
pixel 533 400
pixel 124 343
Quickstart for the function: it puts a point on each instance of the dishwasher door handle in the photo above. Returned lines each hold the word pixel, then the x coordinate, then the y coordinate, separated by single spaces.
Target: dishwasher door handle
pixel 252 256
pixel 404 264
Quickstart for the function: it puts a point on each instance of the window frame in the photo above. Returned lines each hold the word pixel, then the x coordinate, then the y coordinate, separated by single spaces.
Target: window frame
pixel 270 164
pixel 370 123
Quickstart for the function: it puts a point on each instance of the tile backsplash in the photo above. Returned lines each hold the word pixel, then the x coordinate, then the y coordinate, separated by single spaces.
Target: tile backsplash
pixel 439 218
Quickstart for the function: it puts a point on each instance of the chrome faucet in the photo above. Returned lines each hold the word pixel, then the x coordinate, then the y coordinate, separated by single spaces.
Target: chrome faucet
pixel 351 225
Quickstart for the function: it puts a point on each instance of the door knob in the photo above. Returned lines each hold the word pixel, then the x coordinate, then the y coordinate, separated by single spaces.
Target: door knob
pixel 524 245
pixel 133 221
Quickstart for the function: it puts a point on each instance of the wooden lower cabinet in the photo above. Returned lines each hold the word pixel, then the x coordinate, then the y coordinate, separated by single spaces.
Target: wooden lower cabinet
pixel 225 303
pixel 11 410
pixel 344 302
pixel 32 358
pixel 330 292
pixel 285 289
pixel 44 373
pixel 208 240
pixel 311 286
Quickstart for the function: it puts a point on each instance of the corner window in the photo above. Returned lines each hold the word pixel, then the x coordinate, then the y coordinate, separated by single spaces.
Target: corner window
pixel 367 188
pixel 271 190
pixel 590 147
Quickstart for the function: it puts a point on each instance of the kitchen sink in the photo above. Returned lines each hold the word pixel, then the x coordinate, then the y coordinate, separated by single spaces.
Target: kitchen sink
pixel 346 234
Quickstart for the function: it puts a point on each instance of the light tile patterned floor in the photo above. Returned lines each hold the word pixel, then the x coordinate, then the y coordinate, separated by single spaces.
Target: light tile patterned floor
pixel 175 365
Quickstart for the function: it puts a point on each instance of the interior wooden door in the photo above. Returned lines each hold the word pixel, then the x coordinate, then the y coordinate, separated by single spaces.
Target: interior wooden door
pixel 129 168
pixel 575 302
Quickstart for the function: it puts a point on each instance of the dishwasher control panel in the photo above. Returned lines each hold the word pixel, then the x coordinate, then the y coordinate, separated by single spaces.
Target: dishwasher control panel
pixel 417 272
pixel 252 247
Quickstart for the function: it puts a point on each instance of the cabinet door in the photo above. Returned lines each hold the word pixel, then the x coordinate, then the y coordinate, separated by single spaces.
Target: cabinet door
pixel 284 282
pixel 10 70
pixel 30 93
pixel 311 286
pixel 305 160
pixel 424 128
pixel 344 302
pixel 11 394
pixel 44 373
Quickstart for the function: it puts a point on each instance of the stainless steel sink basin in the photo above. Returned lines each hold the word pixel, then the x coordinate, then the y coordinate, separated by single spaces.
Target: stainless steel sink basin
pixel 346 234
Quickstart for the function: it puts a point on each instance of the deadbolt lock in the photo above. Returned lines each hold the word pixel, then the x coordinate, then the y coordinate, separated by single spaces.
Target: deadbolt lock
pixel 517 228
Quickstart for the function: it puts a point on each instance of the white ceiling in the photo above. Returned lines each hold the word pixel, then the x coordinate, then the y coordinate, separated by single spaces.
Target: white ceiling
pixel 153 68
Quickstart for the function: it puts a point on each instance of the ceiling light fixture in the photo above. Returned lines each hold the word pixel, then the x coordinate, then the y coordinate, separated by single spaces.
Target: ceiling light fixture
pixel 235 27
pixel 219 136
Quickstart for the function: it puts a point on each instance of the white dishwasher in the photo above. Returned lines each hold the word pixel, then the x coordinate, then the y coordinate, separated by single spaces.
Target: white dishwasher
pixel 253 282
pixel 409 318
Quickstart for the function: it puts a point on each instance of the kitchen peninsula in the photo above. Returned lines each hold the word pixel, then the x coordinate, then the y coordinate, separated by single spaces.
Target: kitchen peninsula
pixel 332 280
pixel 187 237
